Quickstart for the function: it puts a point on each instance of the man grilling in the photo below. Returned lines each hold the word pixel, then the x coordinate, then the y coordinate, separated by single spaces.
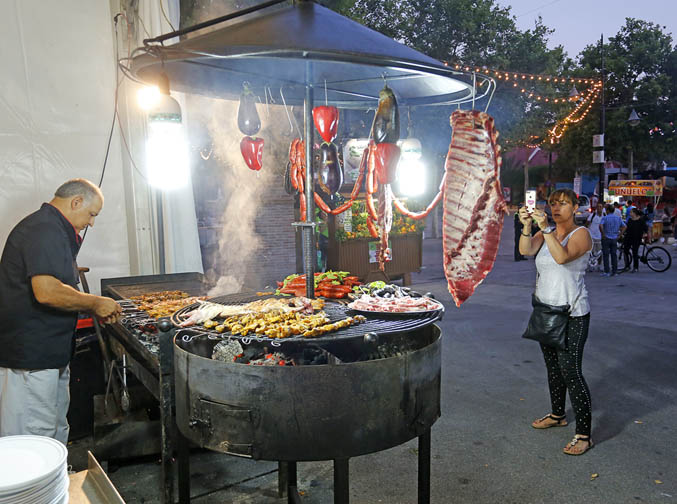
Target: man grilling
pixel 39 303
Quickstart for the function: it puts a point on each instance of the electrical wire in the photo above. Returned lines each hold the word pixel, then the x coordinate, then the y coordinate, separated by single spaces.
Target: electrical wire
pixel 162 8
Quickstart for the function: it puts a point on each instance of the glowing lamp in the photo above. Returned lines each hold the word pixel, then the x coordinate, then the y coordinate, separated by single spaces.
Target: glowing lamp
pixel 166 149
pixel 411 172
pixel 148 97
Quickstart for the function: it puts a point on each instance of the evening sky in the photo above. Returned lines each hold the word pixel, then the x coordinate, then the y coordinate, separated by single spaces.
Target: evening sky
pixel 578 23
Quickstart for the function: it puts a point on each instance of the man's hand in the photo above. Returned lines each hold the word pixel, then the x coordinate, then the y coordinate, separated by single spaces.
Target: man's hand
pixel 107 310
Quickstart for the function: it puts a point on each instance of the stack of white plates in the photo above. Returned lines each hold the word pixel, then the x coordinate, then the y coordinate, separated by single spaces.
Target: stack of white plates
pixel 33 470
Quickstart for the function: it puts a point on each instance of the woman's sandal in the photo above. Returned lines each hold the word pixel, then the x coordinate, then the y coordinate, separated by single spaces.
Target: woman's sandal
pixel 556 422
pixel 573 448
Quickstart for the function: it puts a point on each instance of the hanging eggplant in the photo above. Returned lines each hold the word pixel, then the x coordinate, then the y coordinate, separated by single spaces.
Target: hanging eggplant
pixel 386 126
pixel 288 186
pixel 247 117
pixel 330 176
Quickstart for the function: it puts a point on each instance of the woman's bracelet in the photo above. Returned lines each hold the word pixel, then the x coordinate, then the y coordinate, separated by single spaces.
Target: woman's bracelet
pixel 526 234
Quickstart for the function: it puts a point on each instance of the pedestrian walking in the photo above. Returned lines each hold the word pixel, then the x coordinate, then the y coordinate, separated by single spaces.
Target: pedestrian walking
pixel 518 232
pixel 610 227
pixel 632 239
pixel 562 253
pixel 649 215
pixel 593 223
pixel 617 210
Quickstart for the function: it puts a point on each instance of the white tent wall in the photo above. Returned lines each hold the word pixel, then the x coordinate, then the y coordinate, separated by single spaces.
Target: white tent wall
pixel 56 108
pixel 57 93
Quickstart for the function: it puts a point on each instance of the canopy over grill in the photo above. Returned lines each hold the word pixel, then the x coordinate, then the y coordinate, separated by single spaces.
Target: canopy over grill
pixel 299 45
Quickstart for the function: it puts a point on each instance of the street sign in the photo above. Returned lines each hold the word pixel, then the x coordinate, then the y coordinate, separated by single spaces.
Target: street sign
pixel 598 156
pixel 598 140
pixel 577 185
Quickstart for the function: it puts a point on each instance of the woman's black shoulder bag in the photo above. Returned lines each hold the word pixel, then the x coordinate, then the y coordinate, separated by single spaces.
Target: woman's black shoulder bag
pixel 548 324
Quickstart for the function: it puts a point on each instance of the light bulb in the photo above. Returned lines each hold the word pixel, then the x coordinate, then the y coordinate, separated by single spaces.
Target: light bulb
pixel 166 148
pixel 148 97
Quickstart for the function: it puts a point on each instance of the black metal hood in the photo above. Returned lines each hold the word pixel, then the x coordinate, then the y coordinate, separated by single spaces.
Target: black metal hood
pixel 298 45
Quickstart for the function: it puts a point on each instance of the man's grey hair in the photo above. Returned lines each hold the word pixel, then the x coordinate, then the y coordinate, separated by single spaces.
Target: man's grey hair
pixel 79 187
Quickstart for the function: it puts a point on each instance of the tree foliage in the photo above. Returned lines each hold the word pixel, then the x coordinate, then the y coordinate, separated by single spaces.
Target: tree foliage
pixel 641 75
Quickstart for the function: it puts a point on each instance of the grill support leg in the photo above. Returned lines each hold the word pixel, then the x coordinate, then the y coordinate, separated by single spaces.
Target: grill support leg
pixel 282 479
pixel 292 485
pixel 184 468
pixel 167 417
pixel 424 468
pixel 341 481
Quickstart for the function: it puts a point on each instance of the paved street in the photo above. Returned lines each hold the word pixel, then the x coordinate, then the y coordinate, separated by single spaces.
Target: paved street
pixel 494 385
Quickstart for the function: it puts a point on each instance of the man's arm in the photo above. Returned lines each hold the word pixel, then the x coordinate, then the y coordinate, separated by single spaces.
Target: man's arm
pixel 51 292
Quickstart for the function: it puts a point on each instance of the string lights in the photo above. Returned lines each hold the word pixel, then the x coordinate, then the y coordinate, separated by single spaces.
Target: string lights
pixel 524 81
pixel 521 76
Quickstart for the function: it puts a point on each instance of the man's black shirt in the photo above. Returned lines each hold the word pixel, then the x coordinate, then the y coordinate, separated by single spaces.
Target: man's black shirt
pixel 32 335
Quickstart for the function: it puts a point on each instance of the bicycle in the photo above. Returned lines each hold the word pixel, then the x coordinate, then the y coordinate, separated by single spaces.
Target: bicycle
pixel 655 257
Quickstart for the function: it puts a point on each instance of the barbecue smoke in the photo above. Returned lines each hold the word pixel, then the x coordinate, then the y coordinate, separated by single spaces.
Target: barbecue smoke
pixel 244 256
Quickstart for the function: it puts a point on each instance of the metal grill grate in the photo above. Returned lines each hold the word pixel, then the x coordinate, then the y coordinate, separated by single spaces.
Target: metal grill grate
pixel 376 323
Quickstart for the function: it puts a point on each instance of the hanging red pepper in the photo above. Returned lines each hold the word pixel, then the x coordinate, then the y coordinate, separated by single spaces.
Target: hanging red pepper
pixel 326 120
pixel 387 158
pixel 252 152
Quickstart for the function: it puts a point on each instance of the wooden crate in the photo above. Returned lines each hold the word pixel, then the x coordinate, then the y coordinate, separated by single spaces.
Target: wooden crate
pixel 353 256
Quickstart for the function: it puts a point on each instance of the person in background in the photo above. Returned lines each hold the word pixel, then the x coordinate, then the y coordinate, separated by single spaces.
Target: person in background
pixel 649 214
pixel 322 233
pixel 593 223
pixel 617 209
pixel 632 239
pixel 626 209
pixel 562 253
pixel 518 232
pixel 611 227
pixel 39 305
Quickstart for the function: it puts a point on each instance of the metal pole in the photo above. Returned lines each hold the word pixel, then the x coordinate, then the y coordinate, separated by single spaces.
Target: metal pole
pixel 160 230
pixel 631 165
pixel 549 172
pixel 309 253
pixel 424 453
pixel 341 481
pixel 526 178
pixel 602 123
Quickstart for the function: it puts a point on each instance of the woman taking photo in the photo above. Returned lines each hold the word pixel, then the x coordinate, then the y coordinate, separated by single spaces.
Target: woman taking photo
pixel 562 257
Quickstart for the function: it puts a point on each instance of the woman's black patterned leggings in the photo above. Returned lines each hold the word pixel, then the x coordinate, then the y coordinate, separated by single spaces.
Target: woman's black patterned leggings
pixel 565 373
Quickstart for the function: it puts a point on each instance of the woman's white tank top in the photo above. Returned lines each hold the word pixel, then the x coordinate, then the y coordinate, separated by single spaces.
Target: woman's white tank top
pixel 560 284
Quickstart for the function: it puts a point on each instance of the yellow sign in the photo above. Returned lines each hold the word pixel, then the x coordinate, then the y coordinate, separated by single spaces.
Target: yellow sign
pixel 635 188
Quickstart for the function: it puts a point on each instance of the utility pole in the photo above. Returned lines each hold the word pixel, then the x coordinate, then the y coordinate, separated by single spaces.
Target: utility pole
pixel 602 123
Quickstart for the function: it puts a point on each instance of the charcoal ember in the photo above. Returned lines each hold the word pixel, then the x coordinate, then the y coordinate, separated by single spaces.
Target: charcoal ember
pixel 272 359
pixel 227 351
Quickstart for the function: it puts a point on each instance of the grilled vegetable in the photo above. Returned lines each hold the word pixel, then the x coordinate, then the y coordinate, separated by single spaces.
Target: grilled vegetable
pixel 387 159
pixel 331 173
pixel 386 126
pixel 247 117
pixel 252 152
pixel 326 121
pixel 288 184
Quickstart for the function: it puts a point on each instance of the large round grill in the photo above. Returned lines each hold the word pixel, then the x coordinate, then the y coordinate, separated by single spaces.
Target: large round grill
pixel 378 324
